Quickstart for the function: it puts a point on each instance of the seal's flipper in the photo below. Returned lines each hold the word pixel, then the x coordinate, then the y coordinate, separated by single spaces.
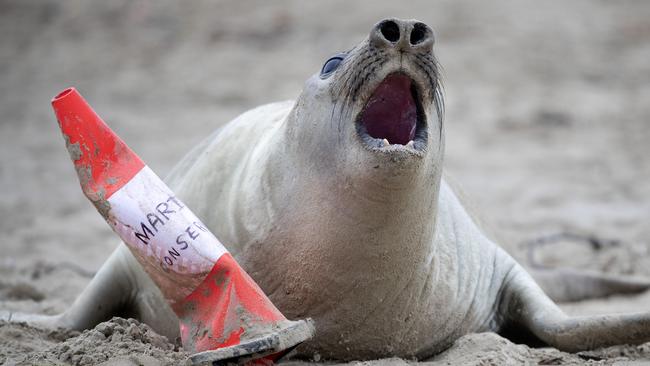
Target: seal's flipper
pixel 526 307
pixel 111 291
pixel 120 287
pixel 567 284
pixel 150 307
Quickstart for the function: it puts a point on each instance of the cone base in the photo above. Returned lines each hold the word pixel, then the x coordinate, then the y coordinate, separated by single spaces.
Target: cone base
pixel 284 339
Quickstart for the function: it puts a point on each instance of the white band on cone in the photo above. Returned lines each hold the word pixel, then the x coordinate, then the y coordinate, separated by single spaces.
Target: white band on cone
pixel 172 244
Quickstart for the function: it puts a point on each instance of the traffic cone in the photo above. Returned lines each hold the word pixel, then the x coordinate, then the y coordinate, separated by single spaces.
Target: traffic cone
pixel 224 315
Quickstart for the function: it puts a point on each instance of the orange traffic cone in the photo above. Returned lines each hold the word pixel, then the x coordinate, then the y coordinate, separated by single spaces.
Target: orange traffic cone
pixel 224 315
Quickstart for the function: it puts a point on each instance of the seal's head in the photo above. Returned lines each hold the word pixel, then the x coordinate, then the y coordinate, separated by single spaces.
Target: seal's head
pixel 377 106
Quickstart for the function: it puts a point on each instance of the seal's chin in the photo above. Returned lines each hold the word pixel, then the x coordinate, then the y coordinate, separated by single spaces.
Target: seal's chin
pixel 392 118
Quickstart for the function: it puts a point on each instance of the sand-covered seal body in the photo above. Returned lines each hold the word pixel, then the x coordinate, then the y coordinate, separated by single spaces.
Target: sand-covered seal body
pixel 336 205
pixel 317 210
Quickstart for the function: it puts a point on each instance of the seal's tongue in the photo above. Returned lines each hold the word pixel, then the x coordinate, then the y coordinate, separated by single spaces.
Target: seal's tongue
pixel 391 112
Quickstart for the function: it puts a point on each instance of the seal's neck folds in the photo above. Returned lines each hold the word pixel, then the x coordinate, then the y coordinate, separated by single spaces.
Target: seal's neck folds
pixel 354 209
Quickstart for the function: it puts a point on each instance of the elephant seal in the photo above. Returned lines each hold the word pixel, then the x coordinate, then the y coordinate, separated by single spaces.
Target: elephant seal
pixel 337 206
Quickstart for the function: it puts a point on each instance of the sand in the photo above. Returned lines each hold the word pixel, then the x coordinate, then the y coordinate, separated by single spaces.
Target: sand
pixel 115 342
pixel 548 123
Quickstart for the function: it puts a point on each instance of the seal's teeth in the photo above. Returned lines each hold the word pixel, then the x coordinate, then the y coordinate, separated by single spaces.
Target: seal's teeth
pixel 385 142
pixel 410 144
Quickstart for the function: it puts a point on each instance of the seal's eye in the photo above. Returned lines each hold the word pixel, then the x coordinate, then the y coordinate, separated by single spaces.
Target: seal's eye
pixel 331 65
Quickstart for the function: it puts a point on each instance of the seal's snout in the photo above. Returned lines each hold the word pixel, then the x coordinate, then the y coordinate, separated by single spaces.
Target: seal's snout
pixel 393 116
pixel 387 86
pixel 402 35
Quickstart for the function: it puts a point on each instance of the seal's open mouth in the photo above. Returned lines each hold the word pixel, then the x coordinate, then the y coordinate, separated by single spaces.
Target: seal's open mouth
pixel 393 113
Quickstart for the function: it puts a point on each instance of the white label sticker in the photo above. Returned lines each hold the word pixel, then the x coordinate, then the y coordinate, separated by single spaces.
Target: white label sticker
pixel 170 242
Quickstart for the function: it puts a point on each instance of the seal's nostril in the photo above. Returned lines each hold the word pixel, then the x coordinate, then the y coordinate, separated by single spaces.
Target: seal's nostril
pixel 390 30
pixel 419 33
